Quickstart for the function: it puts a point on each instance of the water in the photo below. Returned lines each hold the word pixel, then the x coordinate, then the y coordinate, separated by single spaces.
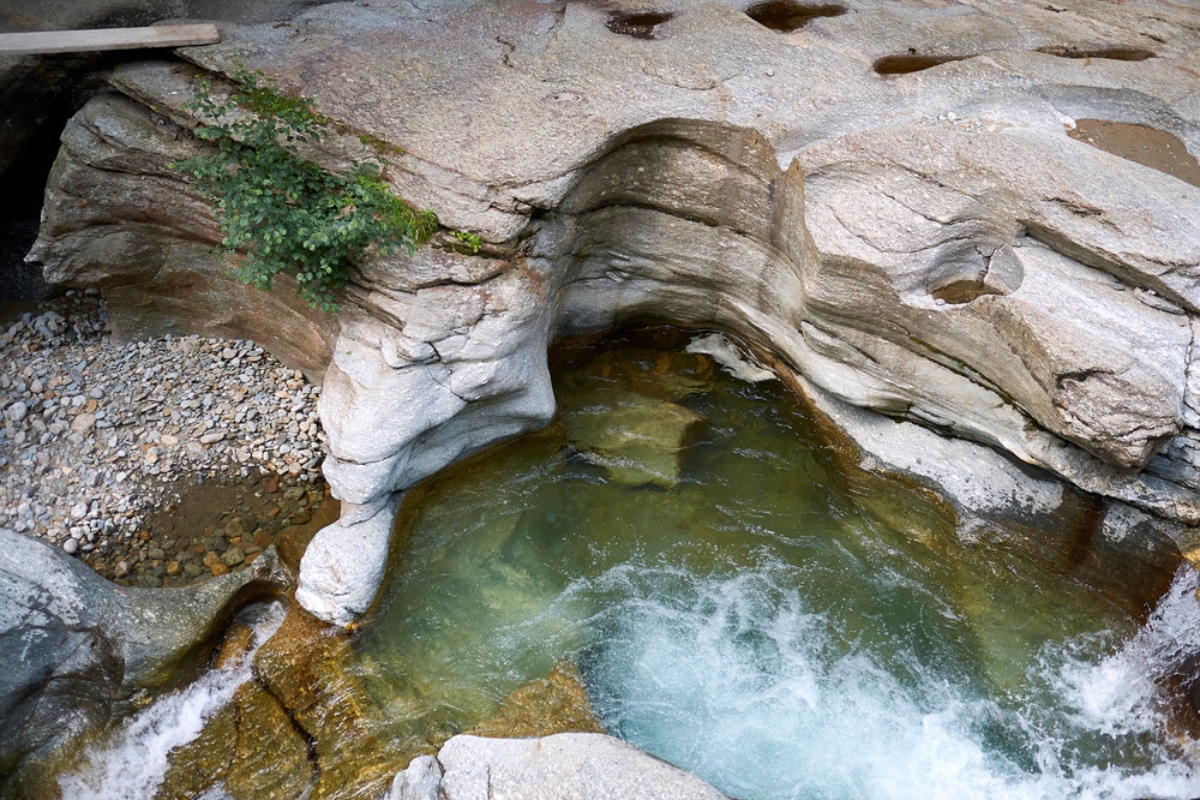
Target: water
pixel 741 608
pixel 131 762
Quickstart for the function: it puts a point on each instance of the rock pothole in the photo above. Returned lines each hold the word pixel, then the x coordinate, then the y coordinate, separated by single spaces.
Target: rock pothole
pixel 963 291
pixel 1112 53
pixel 906 63
pixel 786 16
pixel 1141 144
pixel 639 24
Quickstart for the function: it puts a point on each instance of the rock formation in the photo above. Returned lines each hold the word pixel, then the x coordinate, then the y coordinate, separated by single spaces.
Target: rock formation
pixel 564 766
pixel 890 200
pixel 74 647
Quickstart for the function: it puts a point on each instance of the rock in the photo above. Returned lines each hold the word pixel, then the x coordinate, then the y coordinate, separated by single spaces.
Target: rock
pixel 71 546
pixel 232 557
pixel 16 411
pixel 932 247
pixel 73 646
pixel 343 565
pixel 730 358
pixel 566 765
pixel 420 781
pixel 636 439
pixel 250 746
pixel 557 703
pixel 304 666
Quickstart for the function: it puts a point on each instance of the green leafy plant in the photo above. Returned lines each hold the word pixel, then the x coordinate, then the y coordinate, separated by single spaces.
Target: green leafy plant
pixel 282 212
pixel 469 241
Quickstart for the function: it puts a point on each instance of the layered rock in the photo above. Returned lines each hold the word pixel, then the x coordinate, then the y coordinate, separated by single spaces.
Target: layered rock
pixel 930 245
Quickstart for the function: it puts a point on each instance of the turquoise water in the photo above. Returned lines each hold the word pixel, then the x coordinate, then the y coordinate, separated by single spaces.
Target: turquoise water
pixel 743 608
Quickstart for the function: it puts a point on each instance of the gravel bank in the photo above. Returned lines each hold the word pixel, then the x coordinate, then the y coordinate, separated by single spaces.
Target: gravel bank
pixel 96 436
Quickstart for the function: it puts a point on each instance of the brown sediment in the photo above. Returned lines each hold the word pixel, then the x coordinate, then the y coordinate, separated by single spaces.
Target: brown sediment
pixel 557 703
pixel 217 527
pixel 786 16
pixel 304 667
pixel 250 747
pixel 905 63
pixel 1111 53
pixel 639 25
pixel 1144 145
pixel 293 540
pixel 963 291
pixel 302 727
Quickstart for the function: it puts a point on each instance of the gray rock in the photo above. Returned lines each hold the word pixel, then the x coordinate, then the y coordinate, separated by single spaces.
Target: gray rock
pixel 421 781
pixel 73 645
pixel 16 411
pixel 565 766
pixel 339 584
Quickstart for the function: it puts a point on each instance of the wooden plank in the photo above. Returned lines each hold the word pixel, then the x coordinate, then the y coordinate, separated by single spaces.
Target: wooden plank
pixel 107 39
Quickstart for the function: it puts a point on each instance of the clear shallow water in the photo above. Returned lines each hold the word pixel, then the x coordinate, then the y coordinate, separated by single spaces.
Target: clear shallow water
pixel 739 607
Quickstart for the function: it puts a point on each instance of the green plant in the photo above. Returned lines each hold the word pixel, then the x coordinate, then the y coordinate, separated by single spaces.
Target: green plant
pixel 469 241
pixel 282 212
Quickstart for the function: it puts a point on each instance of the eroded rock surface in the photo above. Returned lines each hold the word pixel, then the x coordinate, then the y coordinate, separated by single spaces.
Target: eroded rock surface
pixel 559 767
pixel 74 646
pixel 888 199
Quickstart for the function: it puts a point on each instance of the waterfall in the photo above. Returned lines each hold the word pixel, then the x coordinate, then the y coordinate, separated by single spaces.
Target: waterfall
pixel 132 762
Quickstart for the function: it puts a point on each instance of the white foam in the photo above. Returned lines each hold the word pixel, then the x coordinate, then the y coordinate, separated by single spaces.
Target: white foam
pixel 132 763
pixel 738 683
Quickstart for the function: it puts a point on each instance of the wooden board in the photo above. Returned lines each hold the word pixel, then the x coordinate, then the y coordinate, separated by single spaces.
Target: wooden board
pixel 107 39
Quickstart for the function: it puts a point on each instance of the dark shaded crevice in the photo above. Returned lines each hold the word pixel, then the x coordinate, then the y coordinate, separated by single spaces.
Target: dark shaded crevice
pixel 786 16
pixel 639 25
pixel 1087 522
pixel 646 206
pixel 907 63
pixel 1111 53
pixel 38 95
pixel 963 291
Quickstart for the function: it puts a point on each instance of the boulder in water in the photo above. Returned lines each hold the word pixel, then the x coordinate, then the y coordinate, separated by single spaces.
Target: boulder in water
pixel 562 766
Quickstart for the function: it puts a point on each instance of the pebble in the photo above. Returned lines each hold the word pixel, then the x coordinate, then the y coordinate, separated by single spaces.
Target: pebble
pixel 94 435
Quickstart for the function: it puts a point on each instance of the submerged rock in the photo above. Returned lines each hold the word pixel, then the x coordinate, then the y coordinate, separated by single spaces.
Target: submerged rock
pixel 557 703
pixel 76 647
pixel 635 438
